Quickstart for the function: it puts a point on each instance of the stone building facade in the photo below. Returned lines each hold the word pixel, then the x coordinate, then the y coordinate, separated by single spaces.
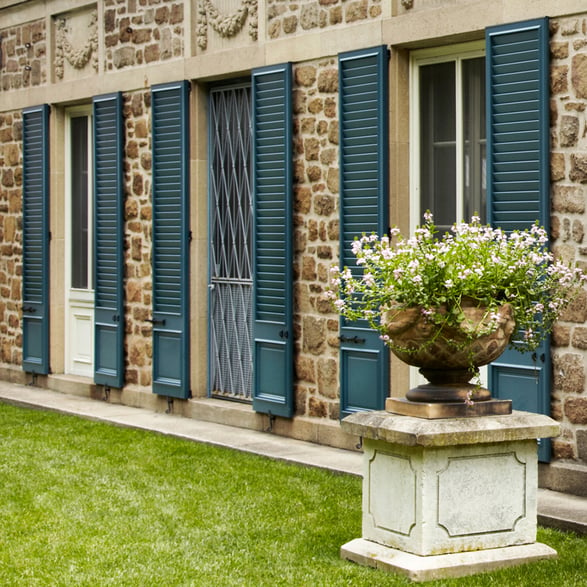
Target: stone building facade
pixel 569 176
pixel 64 54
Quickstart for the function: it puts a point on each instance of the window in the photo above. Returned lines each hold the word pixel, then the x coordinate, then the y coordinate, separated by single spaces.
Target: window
pixel 448 135
pixel 80 201
pixel 79 321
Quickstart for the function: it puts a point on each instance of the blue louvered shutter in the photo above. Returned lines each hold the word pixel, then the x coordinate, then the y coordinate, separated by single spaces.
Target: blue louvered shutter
pixel 35 274
pixel 272 211
pixel 363 89
pixel 108 241
pixel 518 180
pixel 170 253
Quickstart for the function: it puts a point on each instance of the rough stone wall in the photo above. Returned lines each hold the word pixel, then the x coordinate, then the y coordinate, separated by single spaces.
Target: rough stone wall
pixel 568 49
pixel 138 238
pixel 288 18
pixel 138 32
pixel 23 59
pixel 316 236
pixel 10 237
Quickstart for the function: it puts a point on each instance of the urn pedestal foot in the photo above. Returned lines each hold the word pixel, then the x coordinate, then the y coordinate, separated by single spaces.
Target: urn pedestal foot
pixel 448 497
pixel 442 566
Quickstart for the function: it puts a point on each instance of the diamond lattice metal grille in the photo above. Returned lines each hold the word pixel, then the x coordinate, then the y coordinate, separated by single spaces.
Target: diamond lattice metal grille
pixel 230 243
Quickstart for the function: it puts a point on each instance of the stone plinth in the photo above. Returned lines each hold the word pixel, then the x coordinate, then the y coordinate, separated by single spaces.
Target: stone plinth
pixel 434 489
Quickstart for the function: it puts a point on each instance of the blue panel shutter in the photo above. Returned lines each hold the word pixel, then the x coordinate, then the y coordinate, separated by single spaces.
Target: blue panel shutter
pixel 35 286
pixel 518 175
pixel 363 89
pixel 108 239
pixel 170 254
pixel 272 210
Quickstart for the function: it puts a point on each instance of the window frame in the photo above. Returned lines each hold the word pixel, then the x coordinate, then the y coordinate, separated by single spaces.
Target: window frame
pixel 71 113
pixel 418 58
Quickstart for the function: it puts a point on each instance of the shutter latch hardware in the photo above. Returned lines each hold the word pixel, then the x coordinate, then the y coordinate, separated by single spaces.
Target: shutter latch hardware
pixel 283 334
pixel 29 309
pixel 355 339
pixel 155 321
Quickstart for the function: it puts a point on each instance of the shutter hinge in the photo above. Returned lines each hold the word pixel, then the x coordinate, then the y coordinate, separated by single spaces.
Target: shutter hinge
pixel 271 422
pixel 190 236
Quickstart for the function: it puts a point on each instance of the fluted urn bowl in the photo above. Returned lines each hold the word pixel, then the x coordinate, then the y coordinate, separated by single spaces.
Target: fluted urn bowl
pixel 448 356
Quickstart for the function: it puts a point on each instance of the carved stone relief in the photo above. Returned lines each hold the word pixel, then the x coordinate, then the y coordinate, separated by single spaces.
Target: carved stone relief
pixel 225 25
pixel 77 56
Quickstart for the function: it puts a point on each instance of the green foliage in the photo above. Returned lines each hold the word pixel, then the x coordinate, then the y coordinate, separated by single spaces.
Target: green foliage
pixel 84 503
pixel 438 273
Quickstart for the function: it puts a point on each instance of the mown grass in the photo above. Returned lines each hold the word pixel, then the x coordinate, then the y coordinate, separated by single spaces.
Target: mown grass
pixel 87 503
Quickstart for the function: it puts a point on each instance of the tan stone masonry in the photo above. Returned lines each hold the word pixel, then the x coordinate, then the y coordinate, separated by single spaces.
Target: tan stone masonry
pixel 289 18
pixel 10 237
pixel 136 32
pixel 138 238
pixel 569 179
pixel 316 236
pixel 23 61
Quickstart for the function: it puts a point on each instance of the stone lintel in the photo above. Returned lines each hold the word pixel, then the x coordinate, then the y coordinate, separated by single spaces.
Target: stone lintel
pixel 444 566
pixel 411 431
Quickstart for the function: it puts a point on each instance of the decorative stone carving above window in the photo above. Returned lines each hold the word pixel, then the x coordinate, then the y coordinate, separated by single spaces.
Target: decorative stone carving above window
pixel 79 57
pixel 226 25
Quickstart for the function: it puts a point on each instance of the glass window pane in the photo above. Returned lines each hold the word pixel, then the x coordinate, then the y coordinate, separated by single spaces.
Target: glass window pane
pixel 474 139
pixel 445 202
pixel 438 142
pixel 79 202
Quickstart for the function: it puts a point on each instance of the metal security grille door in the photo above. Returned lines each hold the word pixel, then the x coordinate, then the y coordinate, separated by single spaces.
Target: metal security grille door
pixel 230 282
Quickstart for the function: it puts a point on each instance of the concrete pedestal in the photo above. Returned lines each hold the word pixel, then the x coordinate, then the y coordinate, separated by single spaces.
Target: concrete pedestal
pixel 451 496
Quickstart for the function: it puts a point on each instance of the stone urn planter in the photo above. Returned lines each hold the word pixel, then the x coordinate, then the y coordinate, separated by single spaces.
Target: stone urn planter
pixel 464 293
pixel 448 356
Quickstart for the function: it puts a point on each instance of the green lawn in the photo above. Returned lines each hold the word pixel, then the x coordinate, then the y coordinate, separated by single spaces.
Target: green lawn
pixel 87 503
